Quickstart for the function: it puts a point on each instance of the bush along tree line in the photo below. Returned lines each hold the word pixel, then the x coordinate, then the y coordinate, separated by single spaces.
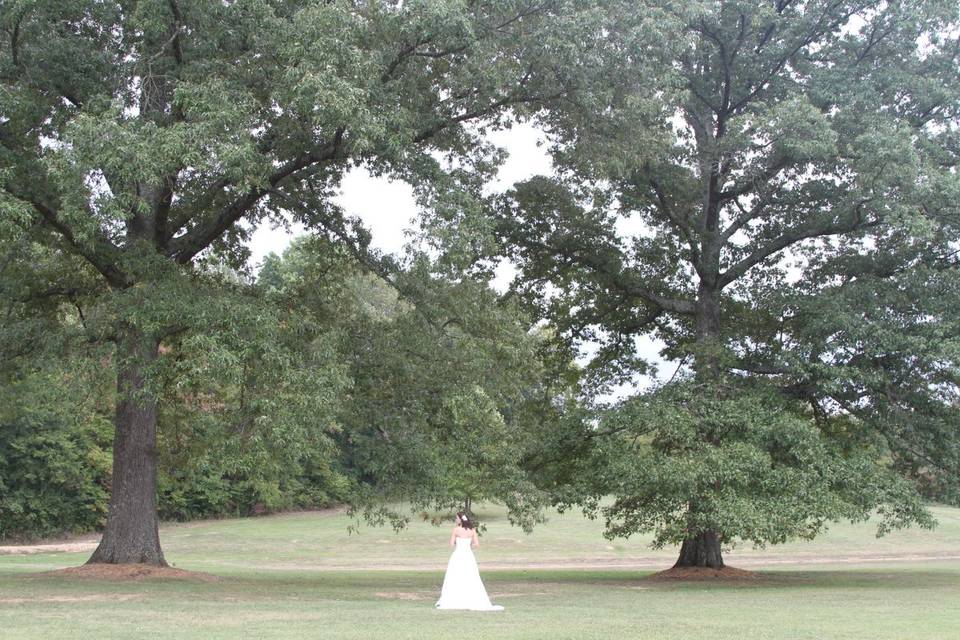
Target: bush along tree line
pixel 768 188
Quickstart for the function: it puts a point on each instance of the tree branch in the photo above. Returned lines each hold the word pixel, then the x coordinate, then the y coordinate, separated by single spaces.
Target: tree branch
pixel 679 220
pixel 617 279
pixel 822 25
pixel 751 182
pixel 514 97
pixel 412 50
pixel 793 236
pixel 177 27
pixel 99 255
pixel 725 60
pixel 761 368
pixel 184 248
pixel 744 217
pixel 163 210
pixel 15 41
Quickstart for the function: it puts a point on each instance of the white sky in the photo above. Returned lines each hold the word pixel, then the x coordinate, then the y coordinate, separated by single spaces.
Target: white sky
pixel 388 209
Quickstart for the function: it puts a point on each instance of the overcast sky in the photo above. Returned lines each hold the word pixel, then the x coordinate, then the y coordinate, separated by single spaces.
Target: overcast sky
pixel 388 207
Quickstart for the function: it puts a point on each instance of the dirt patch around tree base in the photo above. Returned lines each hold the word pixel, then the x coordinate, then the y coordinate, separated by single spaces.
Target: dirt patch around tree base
pixel 707 573
pixel 124 572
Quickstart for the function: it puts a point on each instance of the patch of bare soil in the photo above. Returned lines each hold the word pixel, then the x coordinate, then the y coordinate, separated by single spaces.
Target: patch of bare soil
pixel 123 572
pixel 400 595
pixel 69 547
pixel 112 597
pixel 706 573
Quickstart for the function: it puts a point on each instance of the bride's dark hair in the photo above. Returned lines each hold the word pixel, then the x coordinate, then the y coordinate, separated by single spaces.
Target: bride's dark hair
pixel 466 521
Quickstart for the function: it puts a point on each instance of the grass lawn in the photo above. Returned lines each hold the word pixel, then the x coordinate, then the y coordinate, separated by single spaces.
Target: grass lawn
pixel 303 576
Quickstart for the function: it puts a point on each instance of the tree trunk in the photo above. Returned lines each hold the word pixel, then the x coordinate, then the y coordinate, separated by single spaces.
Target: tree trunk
pixel 702 550
pixel 132 532
pixel 706 364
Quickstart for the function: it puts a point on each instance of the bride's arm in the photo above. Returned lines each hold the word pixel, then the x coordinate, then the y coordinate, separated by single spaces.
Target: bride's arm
pixel 475 541
pixel 453 537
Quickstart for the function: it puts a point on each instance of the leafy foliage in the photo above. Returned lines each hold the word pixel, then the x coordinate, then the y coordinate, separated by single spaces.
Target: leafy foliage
pixel 444 378
pixel 248 416
pixel 54 453
pixel 746 462
pixel 882 348
pixel 248 395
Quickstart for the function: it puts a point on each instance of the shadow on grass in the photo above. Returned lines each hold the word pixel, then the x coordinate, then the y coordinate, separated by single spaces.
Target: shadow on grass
pixel 879 578
pixel 425 585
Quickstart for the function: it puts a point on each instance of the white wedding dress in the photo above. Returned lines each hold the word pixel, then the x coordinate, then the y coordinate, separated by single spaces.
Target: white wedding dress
pixel 462 587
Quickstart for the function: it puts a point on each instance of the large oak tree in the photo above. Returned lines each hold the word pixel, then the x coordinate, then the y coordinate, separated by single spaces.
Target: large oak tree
pixel 789 159
pixel 150 137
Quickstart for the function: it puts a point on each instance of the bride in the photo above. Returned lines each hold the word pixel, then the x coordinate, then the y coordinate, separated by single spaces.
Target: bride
pixel 462 587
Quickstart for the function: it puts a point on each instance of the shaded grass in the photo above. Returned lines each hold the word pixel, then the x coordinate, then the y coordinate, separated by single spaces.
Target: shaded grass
pixel 905 602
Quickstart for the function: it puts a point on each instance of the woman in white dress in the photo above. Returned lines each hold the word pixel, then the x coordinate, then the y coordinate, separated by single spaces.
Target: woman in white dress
pixel 462 587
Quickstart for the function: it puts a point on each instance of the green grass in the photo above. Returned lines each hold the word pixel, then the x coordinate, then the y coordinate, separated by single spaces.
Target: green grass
pixel 296 576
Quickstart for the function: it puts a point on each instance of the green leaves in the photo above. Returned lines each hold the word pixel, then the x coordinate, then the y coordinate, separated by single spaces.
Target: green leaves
pixel 796 128
pixel 249 410
pixel 54 452
pixel 740 460
pixel 888 348
pixel 173 122
pixel 141 144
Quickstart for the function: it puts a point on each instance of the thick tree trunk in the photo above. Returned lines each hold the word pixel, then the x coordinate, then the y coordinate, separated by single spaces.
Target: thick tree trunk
pixel 701 551
pixel 132 532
